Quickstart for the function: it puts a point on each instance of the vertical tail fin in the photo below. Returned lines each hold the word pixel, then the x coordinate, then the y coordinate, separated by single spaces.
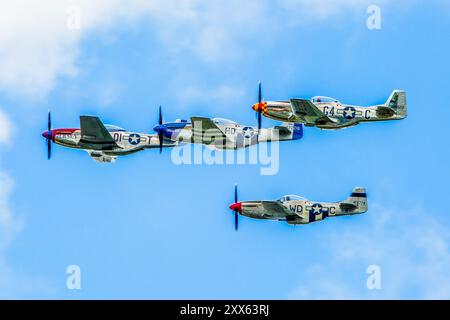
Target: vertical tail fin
pixel 358 198
pixel 297 132
pixel 397 102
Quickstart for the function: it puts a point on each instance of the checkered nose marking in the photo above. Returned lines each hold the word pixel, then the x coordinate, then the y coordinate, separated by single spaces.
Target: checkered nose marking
pixel 260 107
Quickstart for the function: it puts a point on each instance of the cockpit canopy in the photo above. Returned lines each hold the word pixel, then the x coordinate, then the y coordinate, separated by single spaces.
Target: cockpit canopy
pixel 322 99
pixel 292 197
pixel 222 121
pixel 112 128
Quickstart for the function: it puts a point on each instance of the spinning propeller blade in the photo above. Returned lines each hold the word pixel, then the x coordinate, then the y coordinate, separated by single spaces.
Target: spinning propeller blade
pixel 160 133
pixel 236 214
pixel 259 102
pixel 49 136
pixel 259 113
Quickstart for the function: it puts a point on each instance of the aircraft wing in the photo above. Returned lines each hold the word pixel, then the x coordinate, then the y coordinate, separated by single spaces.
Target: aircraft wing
pixel 306 108
pixel 204 124
pixel 94 134
pixel 283 131
pixel 276 207
pixel 205 131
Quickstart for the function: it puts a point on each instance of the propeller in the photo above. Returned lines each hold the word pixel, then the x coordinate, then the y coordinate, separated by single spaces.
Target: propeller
pixel 236 214
pixel 48 137
pixel 160 133
pixel 259 103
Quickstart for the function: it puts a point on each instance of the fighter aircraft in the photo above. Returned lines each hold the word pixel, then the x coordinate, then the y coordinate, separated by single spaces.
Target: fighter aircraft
pixel 329 113
pixel 104 143
pixel 218 133
pixel 297 210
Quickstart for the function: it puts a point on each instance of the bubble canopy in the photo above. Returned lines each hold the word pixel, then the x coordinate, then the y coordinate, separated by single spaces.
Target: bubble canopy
pixel 222 121
pixel 324 99
pixel 292 197
pixel 111 127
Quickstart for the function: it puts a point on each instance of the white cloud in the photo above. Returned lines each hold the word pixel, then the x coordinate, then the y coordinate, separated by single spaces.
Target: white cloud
pixel 211 30
pixel 9 225
pixel 5 128
pixel 411 247
pixel 326 8
pixel 14 284
pixel 37 47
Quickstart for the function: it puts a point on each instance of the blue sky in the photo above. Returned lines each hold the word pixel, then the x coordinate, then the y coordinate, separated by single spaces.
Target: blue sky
pixel 146 228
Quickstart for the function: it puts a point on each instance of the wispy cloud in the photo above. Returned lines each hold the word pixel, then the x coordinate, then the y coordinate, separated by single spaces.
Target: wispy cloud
pixel 37 46
pixel 5 128
pixel 326 8
pixel 12 285
pixel 8 224
pixel 409 245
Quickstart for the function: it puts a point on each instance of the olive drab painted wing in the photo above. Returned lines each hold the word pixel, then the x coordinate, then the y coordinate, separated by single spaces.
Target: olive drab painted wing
pixel 205 131
pixel 94 134
pixel 309 111
pixel 276 207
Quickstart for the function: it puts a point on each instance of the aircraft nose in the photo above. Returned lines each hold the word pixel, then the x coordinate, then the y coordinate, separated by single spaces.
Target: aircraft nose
pixel 45 134
pixel 236 206
pixel 163 130
pixel 260 107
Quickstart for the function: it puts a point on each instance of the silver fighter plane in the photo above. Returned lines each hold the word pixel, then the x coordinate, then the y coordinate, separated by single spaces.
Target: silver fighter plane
pixel 104 143
pixel 218 133
pixel 329 113
pixel 297 210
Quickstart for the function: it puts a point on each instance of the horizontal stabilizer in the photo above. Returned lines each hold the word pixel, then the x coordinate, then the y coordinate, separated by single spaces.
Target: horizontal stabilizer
pixel 385 112
pixel 345 206
pixel 283 130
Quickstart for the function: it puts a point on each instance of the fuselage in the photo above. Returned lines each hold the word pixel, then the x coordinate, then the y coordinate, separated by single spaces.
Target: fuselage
pixel 127 142
pixel 297 210
pixel 342 115
pixel 230 135
pixel 301 211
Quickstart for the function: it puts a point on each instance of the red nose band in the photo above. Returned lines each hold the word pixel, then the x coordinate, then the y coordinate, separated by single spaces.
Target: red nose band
pixel 236 206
